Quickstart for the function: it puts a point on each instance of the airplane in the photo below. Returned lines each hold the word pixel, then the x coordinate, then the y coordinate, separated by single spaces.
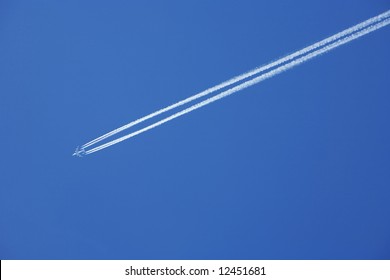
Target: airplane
pixel 79 152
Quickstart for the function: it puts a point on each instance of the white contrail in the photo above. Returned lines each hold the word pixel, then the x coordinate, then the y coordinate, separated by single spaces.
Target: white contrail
pixel 241 77
pixel 249 83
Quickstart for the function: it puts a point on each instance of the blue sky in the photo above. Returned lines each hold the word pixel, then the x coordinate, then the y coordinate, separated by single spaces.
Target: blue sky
pixel 296 167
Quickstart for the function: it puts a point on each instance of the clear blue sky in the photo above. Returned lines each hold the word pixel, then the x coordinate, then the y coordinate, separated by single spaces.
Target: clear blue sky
pixel 296 167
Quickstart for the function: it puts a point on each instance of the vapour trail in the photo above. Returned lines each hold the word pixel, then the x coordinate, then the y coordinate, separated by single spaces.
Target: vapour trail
pixel 241 77
pixel 249 83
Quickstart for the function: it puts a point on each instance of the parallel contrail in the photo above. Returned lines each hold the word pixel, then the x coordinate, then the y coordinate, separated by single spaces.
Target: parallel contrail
pixel 249 83
pixel 241 77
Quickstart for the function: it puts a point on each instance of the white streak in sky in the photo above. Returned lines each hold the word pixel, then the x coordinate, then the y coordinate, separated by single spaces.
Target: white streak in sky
pixel 251 73
pixel 249 83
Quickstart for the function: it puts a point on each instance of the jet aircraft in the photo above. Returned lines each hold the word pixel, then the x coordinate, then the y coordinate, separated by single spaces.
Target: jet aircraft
pixel 79 152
